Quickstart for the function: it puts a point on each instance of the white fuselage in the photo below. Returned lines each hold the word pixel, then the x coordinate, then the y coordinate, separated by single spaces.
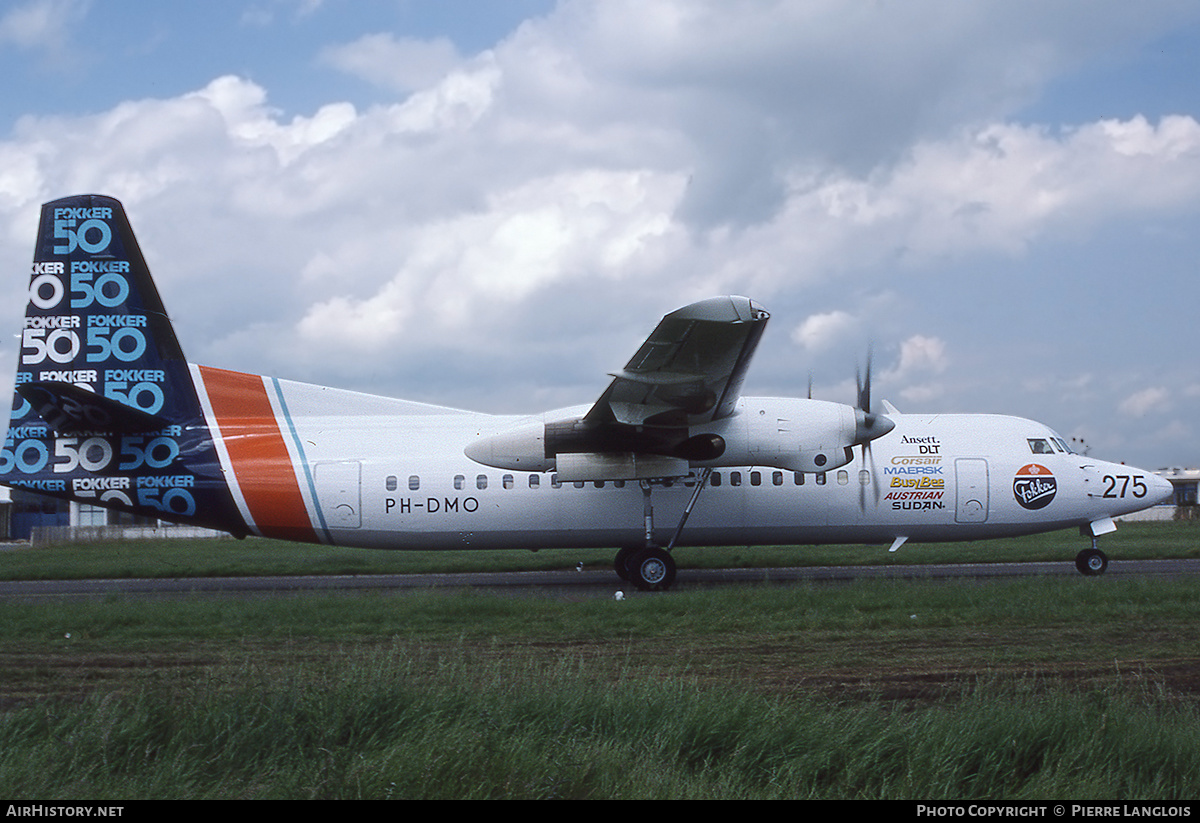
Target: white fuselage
pixel 396 477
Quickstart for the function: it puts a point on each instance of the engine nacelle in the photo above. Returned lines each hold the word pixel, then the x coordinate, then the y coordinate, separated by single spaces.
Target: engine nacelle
pixel 785 433
pixel 788 433
pixel 581 451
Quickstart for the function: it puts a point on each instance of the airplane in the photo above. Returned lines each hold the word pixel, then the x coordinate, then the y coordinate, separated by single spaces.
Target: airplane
pixel 108 411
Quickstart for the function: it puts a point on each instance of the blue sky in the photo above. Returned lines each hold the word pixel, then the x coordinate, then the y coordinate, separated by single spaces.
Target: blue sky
pixel 76 56
pixel 489 204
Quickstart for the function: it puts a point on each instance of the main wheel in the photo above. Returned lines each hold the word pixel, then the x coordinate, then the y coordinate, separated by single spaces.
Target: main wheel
pixel 1091 562
pixel 652 570
pixel 623 561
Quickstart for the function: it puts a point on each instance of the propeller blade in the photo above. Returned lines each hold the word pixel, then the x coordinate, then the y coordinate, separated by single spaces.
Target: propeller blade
pixel 864 386
pixel 872 473
pixel 868 425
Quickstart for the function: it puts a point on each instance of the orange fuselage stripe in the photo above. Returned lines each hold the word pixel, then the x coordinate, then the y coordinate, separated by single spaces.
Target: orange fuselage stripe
pixel 258 454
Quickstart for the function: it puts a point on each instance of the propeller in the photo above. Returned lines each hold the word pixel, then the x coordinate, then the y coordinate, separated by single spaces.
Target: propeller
pixel 868 426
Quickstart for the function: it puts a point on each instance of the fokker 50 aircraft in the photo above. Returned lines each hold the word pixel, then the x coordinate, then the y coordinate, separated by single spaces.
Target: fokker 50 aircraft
pixel 108 411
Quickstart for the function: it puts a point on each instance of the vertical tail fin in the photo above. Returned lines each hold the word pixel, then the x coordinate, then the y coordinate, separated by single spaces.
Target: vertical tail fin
pixel 105 409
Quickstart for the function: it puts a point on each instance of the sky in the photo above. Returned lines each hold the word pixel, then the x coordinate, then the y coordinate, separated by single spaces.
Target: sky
pixel 489 205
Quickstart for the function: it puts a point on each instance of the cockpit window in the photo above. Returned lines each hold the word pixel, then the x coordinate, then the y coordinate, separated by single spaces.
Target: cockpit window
pixel 1038 445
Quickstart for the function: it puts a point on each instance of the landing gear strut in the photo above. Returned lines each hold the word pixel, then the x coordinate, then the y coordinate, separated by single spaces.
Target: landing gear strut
pixel 650 567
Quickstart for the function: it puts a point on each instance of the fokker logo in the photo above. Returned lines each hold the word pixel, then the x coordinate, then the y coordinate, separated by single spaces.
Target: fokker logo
pixel 1034 486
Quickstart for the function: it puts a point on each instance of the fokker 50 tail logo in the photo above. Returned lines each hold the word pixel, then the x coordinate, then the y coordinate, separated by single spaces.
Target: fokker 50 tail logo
pixel 1034 486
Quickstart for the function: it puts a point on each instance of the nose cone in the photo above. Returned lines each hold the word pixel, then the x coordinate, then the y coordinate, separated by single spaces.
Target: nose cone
pixel 1160 489
pixel 1124 483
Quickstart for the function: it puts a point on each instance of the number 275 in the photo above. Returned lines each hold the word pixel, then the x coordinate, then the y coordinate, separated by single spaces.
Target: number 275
pixel 1122 484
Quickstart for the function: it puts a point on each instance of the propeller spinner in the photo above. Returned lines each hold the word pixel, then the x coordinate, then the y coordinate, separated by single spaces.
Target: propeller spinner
pixel 868 426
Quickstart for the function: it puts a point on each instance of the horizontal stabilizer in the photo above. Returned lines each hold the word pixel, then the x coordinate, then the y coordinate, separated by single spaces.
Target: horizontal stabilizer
pixel 69 409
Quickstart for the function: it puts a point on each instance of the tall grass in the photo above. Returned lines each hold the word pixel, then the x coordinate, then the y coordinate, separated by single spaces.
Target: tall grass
pixel 397 723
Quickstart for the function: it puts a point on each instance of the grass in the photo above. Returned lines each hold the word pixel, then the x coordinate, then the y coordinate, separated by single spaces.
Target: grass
pixel 1012 689
pixel 391 723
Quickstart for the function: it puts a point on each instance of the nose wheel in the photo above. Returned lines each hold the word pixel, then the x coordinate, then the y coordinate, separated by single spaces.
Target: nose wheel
pixel 1091 562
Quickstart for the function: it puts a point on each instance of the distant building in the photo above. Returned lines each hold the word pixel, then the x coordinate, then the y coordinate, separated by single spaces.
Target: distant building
pixel 28 511
pixel 1185 481
pixel 36 517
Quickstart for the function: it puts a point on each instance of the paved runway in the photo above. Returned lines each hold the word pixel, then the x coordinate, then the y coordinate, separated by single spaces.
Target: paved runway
pixel 577 584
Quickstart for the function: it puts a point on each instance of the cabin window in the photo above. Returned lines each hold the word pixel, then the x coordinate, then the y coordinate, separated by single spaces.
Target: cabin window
pixel 843 477
pixel 414 482
pixel 534 481
pixel 821 479
pixel 755 478
pixel 460 482
pixel 555 482
pixel 507 481
pixel 777 478
pixel 735 478
pixel 798 478
pixel 481 481
pixel 714 479
pixel 391 483
pixel 864 477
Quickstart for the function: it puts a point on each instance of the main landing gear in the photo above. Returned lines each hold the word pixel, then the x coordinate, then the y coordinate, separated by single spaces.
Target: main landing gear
pixel 650 567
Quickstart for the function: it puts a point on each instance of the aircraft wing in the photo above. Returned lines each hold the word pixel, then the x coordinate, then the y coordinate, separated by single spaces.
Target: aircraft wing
pixel 691 368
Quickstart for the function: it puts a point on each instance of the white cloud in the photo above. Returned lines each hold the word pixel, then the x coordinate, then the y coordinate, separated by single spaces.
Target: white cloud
pixel 263 12
pixel 402 64
pixel 1004 185
pixel 42 25
pixel 921 354
pixel 248 119
pixel 921 358
pixel 821 331
pixel 592 224
pixel 1141 403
